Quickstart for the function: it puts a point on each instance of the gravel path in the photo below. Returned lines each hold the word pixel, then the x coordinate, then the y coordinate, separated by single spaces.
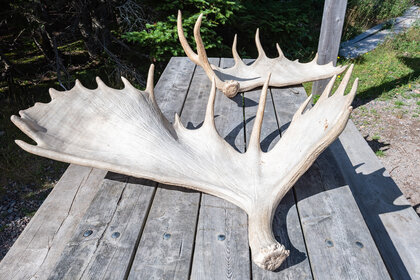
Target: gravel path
pixel 392 129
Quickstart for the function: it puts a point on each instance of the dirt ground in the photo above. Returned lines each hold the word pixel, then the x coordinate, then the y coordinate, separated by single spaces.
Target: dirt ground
pixel 392 129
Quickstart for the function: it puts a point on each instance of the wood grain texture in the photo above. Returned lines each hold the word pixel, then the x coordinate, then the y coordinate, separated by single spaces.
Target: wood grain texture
pixel 338 241
pixel 172 87
pixel 330 37
pixel 119 208
pixel 279 110
pixel 393 223
pixel 37 249
pixel 80 249
pixel 166 246
pixel 221 245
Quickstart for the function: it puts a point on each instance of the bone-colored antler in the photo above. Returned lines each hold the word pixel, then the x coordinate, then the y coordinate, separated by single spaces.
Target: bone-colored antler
pixel 242 77
pixel 124 131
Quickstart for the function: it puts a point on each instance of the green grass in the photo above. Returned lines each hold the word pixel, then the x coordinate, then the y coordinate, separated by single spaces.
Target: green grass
pixel 380 153
pixel 363 14
pixel 376 137
pixel 28 59
pixel 389 70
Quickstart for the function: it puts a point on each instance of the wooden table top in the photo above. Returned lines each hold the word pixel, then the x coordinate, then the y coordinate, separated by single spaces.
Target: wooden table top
pixel 344 219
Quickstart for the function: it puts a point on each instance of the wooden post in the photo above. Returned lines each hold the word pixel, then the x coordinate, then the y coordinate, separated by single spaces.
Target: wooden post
pixel 330 37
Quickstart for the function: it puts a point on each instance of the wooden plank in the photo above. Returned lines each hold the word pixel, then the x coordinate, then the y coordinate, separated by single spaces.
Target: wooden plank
pixel 166 245
pixel 330 37
pixel 221 246
pixel 324 205
pixel 37 249
pixel 279 109
pixel 116 250
pixel 95 252
pixel 286 223
pixel 172 87
pixel 393 223
pixel 338 241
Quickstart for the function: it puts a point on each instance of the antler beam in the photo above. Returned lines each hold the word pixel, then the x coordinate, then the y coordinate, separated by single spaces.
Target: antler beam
pixel 242 77
pixel 124 131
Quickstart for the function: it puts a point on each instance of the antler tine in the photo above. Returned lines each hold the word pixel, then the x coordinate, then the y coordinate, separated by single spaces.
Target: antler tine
pixel 342 87
pixel 188 51
pixel 202 55
pixel 353 90
pixel 229 88
pixel 150 80
pixel 53 93
pixel 100 83
pixel 126 83
pixel 27 127
pixel 281 55
pixel 327 90
pixel 254 141
pixel 260 49
pixel 209 118
pixel 78 84
pixel 302 107
pixel 235 54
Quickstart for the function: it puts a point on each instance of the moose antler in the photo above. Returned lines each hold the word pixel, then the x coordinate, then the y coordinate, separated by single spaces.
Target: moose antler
pixel 124 131
pixel 242 77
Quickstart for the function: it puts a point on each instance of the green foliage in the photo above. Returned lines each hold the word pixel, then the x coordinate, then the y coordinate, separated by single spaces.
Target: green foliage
pixel 380 153
pixel 160 39
pixel 294 25
pixel 391 69
pixel 363 14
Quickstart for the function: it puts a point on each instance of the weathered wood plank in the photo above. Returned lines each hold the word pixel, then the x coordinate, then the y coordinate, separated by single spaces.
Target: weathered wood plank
pixel 87 238
pixel 166 245
pixel 394 225
pixel 221 246
pixel 116 248
pixel 38 247
pixel 338 241
pixel 172 87
pixel 330 37
pixel 325 203
pixel 280 106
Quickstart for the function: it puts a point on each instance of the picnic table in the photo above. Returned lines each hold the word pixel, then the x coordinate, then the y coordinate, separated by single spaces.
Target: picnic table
pixel 344 219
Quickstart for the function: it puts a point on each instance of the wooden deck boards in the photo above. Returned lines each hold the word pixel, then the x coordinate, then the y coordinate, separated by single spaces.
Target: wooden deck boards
pixel 222 228
pixel 344 219
pixel 38 248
